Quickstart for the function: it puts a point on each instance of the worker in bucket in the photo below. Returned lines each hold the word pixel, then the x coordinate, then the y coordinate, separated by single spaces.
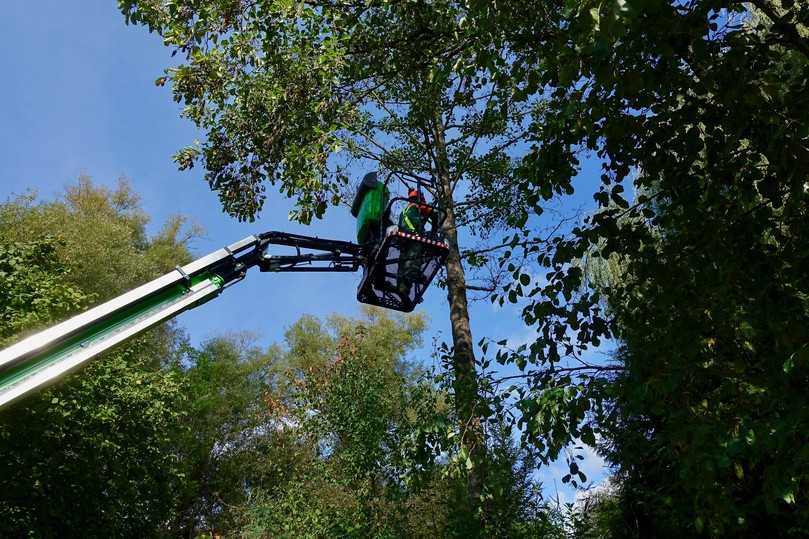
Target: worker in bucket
pixel 411 221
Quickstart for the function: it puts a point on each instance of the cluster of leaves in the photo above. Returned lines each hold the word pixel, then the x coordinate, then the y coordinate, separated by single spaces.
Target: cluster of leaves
pixel 597 514
pixel 32 287
pixel 343 391
pixel 703 107
pixel 96 454
pixel 380 446
pixel 289 92
pixel 225 383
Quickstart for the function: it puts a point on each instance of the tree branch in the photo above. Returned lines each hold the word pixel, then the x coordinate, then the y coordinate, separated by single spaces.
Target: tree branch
pixel 789 33
pixel 597 368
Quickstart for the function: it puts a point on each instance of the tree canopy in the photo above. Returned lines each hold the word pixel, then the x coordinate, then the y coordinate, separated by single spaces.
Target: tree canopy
pixel 300 94
pixel 95 455
pixel 701 108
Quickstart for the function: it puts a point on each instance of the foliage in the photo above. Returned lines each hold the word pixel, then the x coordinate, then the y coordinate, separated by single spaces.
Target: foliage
pixel 95 455
pixel 703 107
pixel 516 507
pixel 102 236
pixel 33 287
pixel 346 399
pixel 381 448
pixel 698 113
pixel 225 383
pixel 287 91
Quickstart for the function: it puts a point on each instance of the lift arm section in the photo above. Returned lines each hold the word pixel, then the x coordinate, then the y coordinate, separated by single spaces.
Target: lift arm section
pixel 333 255
pixel 49 355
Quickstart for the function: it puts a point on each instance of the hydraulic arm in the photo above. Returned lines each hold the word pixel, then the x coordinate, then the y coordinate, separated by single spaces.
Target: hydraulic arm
pixel 46 356
pixel 398 266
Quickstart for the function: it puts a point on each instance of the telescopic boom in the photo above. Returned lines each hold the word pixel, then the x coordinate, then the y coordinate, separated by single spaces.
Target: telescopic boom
pixel 49 355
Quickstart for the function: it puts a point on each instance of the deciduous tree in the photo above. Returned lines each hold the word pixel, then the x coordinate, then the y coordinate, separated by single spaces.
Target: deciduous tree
pixel 95 455
pixel 702 108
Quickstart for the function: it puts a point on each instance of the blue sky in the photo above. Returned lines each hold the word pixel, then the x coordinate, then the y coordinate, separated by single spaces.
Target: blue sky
pixel 79 98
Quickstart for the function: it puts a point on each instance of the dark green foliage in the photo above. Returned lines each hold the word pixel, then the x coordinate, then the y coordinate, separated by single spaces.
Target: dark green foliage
pixel 598 515
pixel 33 287
pixel 515 504
pixel 222 438
pixel 715 379
pixel 94 456
pixel 704 109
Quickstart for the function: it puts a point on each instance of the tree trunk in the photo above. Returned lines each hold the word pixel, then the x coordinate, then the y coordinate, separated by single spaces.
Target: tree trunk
pixel 463 364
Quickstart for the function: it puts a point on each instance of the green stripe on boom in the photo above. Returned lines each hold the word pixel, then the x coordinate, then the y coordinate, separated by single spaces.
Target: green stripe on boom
pixel 118 320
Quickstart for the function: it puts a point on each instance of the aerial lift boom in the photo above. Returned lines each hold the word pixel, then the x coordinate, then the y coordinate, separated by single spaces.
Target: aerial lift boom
pixel 47 356
pixel 52 353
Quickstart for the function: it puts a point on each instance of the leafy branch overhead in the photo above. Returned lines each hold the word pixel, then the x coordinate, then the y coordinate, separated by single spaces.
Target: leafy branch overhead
pixel 290 93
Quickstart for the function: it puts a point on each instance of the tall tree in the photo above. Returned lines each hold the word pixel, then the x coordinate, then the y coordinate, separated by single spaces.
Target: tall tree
pixel 362 413
pixel 294 93
pixel 225 438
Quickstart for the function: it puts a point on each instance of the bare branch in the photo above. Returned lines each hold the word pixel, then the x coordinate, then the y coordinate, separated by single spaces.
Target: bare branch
pixel 555 370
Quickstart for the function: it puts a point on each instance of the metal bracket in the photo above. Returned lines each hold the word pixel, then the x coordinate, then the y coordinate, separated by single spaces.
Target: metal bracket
pixel 186 277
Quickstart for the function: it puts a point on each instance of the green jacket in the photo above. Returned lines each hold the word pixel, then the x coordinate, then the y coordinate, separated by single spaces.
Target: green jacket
pixel 411 221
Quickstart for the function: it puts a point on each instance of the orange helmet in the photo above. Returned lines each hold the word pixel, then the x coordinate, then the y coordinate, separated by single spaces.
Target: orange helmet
pixel 415 196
